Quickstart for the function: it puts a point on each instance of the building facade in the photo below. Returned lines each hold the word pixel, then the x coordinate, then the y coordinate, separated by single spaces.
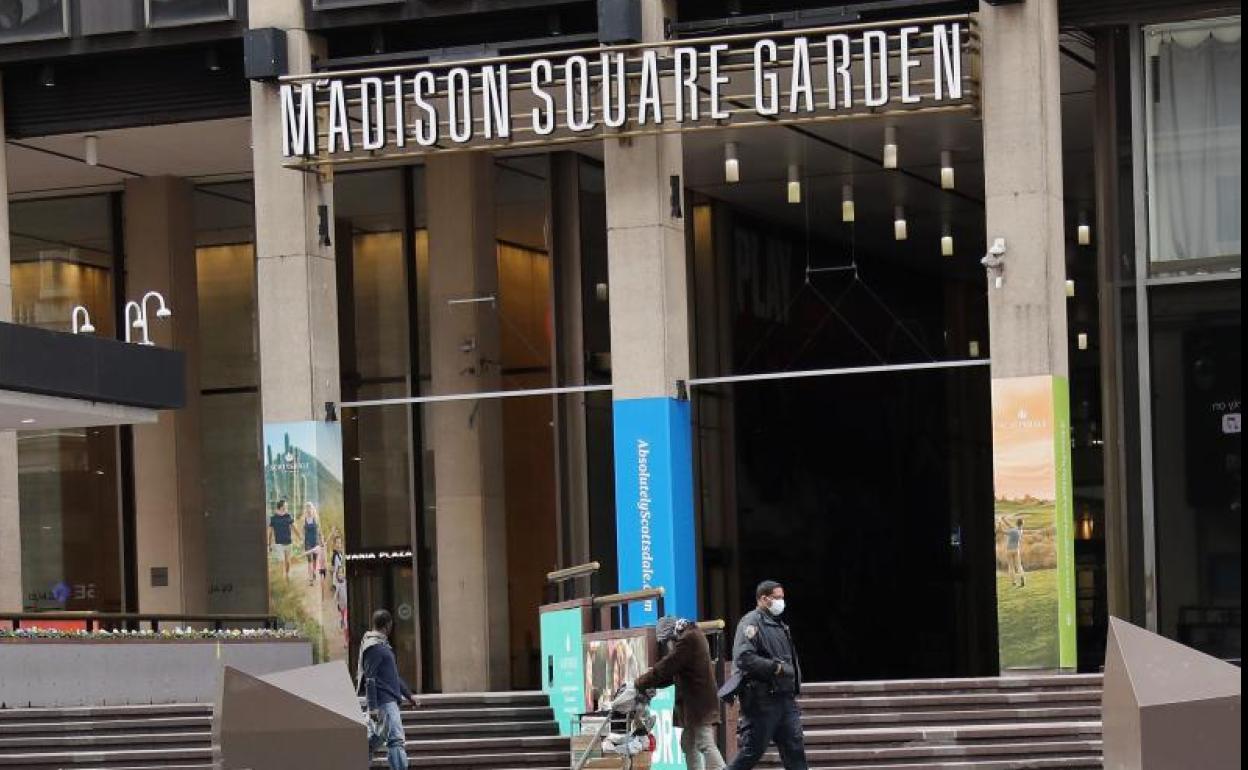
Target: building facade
pixel 930 310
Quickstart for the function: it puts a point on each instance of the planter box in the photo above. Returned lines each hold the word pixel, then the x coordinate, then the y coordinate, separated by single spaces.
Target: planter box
pixel 54 672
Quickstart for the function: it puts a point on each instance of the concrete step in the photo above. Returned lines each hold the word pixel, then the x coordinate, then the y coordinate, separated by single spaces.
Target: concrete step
pixel 950 701
pixel 996 751
pixel 127 739
pixel 526 760
pixel 956 734
pixel 1003 684
pixel 950 717
pixel 1045 763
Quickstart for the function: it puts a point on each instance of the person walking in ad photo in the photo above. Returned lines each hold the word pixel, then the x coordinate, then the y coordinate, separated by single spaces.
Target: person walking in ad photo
pixel 281 525
pixel 771 679
pixel 377 674
pixel 688 666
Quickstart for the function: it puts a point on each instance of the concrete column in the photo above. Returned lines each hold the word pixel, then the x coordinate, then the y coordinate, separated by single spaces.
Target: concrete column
pixel 10 520
pixel 168 487
pixel 1027 315
pixel 298 303
pixel 473 624
pixel 649 354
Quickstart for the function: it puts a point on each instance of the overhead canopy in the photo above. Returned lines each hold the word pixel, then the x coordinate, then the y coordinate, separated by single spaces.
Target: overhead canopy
pixel 51 380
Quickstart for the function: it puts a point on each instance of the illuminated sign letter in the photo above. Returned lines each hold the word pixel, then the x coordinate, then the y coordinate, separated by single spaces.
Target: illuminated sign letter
pixel 496 101
pixel 576 78
pixel 651 100
pixel 839 61
pixel 717 81
pixel 426 126
pixel 339 123
pixel 766 87
pixel 459 103
pixel 802 85
pixel 908 63
pixel 544 116
pixel 686 61
pixel 947 61
pixel 298 129
pixel 373 114
pixel 875 68
pixel 614 107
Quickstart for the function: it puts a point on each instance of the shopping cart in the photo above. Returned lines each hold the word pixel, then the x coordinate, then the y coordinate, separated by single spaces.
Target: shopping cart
pixel 620 737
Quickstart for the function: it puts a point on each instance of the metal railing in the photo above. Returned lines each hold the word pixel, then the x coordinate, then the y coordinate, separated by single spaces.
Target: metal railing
pixel 138 621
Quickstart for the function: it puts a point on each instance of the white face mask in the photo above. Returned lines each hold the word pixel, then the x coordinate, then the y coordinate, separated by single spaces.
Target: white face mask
pixel 776 608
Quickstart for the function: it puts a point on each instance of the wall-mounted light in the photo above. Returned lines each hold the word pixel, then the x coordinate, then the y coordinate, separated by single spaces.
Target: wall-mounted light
pixel 890 147
pixel 901 230
pixel 848 211
pixel 212 60
pixel 47 76
pixel 1085 230
pixel 85 327
pixel 947 178
pixel 973 349
pixel 1083 340
pixel 1070 288
pixel 136 315
pixel 732 163
pixel 1087 525
pixel 946 242
pixel 91 150
pixel 795 183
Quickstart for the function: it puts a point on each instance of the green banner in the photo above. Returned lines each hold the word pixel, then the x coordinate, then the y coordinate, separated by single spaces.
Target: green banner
pixel 563 661
pixel 1065 513
pixel 1034 523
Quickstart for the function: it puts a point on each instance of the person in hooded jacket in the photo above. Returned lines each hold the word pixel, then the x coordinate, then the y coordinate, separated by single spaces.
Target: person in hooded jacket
pixel 378 676
pixel 688 666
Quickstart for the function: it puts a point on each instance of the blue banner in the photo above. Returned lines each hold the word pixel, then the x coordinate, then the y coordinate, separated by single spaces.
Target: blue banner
pixel 654 505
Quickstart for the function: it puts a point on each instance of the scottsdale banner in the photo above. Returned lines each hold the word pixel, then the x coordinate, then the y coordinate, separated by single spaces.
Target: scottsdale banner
pixel 1034 522
pixel 304 530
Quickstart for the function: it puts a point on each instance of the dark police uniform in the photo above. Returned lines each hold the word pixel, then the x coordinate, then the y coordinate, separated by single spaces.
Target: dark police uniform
pixel 766 659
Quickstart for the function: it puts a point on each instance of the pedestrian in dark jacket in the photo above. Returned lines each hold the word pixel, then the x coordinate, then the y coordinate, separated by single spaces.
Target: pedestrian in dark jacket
pixel 766 659
pixel 688 666
pixel 378 676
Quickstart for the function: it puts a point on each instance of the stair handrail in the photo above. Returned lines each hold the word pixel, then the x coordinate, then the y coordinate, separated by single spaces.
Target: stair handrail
pixel 558 580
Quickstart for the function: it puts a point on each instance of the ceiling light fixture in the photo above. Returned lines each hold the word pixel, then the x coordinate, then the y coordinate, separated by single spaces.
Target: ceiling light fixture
pixel 947 178
pixel 946 242
pixel 848 212
pixel 28 421
pixel 732 163
pixel 1085 230
pixel 901 230
pixel 795 183
pixel 1070 288
pixel 890 147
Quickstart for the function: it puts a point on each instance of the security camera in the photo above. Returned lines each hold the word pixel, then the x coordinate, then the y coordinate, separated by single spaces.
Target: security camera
pixel 994 261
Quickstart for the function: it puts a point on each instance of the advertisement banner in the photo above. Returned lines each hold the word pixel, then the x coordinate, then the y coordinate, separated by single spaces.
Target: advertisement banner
pixel 654 505
pixel 563 661
pixel 610 663
pixel 1034 523
pixel 305 535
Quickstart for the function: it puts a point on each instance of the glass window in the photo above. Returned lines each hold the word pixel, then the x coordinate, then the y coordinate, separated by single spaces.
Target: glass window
pixel 68 490
pixel 1197 392
pixel 230 398
pixel 171 13
pixel 33 20
pixel 1193 152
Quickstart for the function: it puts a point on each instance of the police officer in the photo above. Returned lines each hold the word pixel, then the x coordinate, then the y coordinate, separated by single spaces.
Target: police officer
pixel 766 660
